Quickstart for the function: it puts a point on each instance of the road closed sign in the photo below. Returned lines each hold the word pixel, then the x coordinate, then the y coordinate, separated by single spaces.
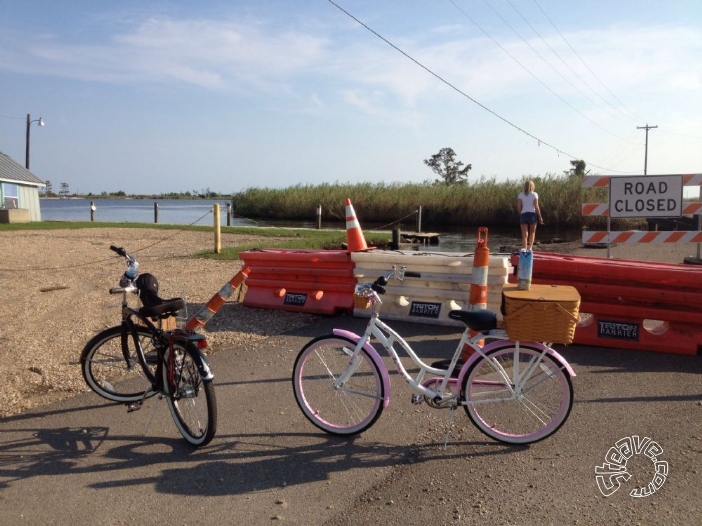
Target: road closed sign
pixel 646 196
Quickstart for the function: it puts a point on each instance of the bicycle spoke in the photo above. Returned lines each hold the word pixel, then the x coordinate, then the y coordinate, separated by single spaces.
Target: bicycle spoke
pixel 339 395
pixel 531 409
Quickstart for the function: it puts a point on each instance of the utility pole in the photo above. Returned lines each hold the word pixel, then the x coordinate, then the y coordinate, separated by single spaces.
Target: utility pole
pixel 647 127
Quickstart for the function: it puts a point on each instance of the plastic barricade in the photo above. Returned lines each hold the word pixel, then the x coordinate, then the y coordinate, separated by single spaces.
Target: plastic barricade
pixel 629 304
pixel 314 281
pixel 444 284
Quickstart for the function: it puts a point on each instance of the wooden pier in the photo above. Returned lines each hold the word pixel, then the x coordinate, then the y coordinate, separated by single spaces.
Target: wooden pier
pixel 423 238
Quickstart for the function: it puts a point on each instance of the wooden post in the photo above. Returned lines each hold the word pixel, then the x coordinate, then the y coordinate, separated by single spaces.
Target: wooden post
pixel 319 217
pixel 155 212
pixel 419 219
pixel 395 244
pixel 229 214
pixel 217 232
pixel 92 210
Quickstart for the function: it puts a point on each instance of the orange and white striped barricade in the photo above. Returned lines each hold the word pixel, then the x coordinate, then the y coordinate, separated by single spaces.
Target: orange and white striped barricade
pixel 216 302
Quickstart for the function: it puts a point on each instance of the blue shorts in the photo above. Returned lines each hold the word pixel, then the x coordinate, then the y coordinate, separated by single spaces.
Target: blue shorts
pixel 527 218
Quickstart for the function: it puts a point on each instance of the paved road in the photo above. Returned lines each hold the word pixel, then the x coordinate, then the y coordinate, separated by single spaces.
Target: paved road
pixel 83 461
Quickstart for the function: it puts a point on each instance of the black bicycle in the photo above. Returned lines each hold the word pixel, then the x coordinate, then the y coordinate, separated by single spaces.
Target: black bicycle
pixel 138 359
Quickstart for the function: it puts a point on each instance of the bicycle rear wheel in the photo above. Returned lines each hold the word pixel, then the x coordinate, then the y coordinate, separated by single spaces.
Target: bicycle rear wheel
pixel 521 412
pixel 348 409
pixel 109 374
pixel 191 399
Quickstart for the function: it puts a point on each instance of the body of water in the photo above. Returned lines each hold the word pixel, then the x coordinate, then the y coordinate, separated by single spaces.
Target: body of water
pixel 170 211
pixel 199 212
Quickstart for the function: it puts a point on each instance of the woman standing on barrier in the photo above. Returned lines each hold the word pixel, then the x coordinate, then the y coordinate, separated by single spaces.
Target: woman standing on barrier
pixel 529 212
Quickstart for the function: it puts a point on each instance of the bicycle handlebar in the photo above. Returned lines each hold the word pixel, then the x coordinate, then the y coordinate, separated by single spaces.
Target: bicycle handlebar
pixel 119 250
pixel 129 288
pixel 378 286
pixel 130 273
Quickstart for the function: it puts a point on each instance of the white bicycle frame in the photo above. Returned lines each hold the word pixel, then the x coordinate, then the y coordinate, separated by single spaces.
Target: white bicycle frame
pixel 387 337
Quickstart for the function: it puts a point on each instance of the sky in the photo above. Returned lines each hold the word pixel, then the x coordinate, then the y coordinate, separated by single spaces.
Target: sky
pixel 176 96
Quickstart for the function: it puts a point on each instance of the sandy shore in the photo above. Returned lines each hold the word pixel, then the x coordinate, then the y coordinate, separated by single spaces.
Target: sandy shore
pixel 54 297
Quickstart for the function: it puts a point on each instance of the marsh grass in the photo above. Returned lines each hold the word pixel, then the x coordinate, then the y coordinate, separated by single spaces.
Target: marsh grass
pixel 484 202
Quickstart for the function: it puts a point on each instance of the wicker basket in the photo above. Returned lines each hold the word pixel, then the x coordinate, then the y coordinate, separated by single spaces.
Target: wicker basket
pixel 361 302
pixel 545 313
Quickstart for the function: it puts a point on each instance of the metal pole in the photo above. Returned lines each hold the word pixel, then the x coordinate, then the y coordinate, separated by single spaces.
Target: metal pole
pixel 92 210
pixel 419 219
pixel 217 231
pixel 156 213
pixel 229 214
pixel 26 151
pixel 319 217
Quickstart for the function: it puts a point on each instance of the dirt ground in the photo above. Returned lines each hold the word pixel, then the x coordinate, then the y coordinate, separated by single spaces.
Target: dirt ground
pixel 55 298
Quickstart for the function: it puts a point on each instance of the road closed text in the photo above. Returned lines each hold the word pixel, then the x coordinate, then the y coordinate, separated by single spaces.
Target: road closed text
pixel 648 196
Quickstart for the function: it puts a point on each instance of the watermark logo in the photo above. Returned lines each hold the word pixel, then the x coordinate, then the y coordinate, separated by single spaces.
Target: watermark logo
pixel 613 472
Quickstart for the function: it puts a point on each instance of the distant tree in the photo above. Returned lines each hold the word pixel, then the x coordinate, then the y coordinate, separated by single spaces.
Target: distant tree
pixel 577 168
pixel 48 190
pixel 64 189
pixel 445 165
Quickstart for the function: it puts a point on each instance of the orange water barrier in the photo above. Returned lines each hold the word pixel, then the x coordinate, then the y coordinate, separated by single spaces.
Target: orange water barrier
pixel 629 304
pixel 314 281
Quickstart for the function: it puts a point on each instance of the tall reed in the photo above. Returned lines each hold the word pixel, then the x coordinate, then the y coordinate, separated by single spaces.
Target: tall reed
pixel 484 202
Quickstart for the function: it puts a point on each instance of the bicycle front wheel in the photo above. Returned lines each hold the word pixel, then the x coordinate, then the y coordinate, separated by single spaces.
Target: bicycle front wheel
pixel 111 367
pixel 191 399
pixel 513 397
pixel 346 409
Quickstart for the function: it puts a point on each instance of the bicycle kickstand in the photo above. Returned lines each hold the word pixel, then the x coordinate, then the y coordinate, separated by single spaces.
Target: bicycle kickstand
pixel 135 406
pixel 452 408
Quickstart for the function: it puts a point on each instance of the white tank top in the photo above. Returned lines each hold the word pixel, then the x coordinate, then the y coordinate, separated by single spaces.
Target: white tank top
pixel 528 201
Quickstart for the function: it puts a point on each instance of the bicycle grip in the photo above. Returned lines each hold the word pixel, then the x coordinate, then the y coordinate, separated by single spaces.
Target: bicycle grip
pixel 119 250
pixel 118 290
pixel 411 274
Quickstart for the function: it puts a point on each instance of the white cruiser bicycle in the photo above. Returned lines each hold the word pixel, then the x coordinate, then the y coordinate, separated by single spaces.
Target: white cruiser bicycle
pixel 514 392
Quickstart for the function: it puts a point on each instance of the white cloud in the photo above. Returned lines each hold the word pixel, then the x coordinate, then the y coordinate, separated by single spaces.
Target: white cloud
pixel 207 53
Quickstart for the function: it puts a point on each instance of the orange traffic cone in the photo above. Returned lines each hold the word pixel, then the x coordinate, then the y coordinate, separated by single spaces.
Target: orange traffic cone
pixel 478 287
pixel 354 235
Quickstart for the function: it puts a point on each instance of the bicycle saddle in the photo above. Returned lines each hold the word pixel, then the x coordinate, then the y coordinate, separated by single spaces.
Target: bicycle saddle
pixel 479 320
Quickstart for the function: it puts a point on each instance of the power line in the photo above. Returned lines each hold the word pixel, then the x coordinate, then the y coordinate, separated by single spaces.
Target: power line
pixel 503 119
pixel 573 71
pixel 527 69
pixel 583 61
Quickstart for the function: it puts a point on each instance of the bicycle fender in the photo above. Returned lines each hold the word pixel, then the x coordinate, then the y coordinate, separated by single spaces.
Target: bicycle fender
pixel 375 357
pixel 203 366
pixel 506 343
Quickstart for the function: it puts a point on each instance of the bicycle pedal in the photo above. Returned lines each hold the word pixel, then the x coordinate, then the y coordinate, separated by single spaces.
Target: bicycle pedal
pixel 417 399
pixel 134 406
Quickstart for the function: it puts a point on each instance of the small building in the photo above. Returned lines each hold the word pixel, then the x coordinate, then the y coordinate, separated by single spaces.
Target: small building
pixel 19 192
